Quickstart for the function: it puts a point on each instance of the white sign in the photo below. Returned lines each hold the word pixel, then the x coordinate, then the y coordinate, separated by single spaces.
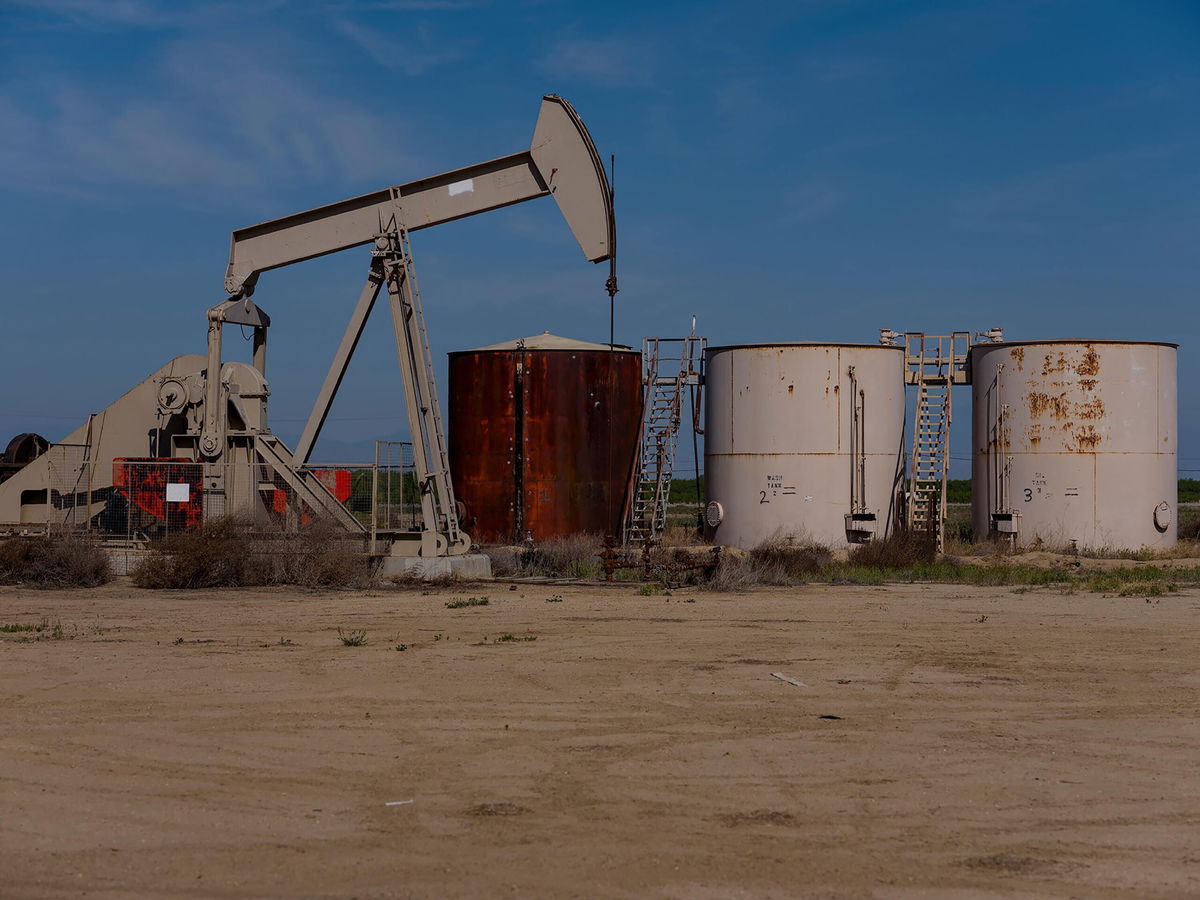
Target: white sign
pixel 178 493
pixel 462 187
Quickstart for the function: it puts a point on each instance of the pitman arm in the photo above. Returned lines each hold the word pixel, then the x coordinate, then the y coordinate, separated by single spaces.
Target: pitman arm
pixel 561 162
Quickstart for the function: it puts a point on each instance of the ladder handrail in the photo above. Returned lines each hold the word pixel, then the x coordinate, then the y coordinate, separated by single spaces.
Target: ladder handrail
pixel 665 375
pixel 935 367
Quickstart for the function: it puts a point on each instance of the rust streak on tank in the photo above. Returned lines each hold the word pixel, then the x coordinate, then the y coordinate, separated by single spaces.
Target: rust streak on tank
pixel 1090 364
pixel 1054 364
pixel 1090 409
pixel 1087 439
pixel 1057 405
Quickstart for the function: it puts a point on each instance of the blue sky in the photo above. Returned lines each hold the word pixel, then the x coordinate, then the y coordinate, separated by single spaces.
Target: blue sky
pixel 811 170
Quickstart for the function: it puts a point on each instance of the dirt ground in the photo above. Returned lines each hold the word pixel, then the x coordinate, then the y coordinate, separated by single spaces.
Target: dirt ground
pixel 945 742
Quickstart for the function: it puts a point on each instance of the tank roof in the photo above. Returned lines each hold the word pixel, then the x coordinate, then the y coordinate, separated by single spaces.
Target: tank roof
pixel 987 345
pixel 547 341
pixel 803 344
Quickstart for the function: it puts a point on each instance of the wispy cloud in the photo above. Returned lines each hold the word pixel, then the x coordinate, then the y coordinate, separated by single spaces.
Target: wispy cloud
pixel 611 61
pixel 1024 200
pixel 406 5
pixel 843 68
pixel 414 58
pixel 809 201
pixel 211 114
pixel 139 14
pixel 135 13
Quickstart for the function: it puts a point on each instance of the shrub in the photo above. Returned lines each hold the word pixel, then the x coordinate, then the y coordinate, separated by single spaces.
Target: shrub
pixel 770 563
pixel 897 551
pixel 506 561
pixel 215 555
pixel 228 553
pixel 1189 530
pixel 58 561
pixel 792 562
pixel 573 556
pixel 320 556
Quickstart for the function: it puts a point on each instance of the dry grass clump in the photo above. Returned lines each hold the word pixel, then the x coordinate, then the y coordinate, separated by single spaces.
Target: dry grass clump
pixel 506 561
pixel 57 561
pixel 215 555
pixel 574 556
pixel 683 536
pixel 320 556
pixel 229 553
pixel 897 551
pixel 770 563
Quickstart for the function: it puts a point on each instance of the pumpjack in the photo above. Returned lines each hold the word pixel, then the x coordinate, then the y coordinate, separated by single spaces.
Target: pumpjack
pixel 212 414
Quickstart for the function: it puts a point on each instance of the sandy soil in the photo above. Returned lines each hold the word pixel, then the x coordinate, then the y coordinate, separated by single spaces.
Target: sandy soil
pixel 1044 559
pixel 987 743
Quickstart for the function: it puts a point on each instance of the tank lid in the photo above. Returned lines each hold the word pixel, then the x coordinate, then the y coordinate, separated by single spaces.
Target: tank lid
pixel 546 341
pixel 781 344
pixel 1072 341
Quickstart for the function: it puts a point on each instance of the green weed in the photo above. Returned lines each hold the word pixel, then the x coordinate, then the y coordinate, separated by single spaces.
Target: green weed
pixel 460 603
pixel 1152 589
pixel 16 627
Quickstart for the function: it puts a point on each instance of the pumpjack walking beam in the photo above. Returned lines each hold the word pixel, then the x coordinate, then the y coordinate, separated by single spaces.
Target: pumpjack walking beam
pixel 561 162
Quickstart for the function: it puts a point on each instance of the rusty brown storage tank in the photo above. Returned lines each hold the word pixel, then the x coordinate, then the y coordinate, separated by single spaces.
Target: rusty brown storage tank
pixel 543 432
pixel 1075 443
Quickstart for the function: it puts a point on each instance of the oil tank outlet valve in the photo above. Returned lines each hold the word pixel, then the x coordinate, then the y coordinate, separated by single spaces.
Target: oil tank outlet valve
pixel 860 527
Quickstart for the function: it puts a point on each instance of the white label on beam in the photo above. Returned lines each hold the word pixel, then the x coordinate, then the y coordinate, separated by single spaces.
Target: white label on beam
pixel 462 187
pixel 178 493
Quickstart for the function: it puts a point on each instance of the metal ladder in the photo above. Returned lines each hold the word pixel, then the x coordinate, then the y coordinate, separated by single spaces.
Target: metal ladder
pixel 428 435
pixel 668 366
pixel 934 363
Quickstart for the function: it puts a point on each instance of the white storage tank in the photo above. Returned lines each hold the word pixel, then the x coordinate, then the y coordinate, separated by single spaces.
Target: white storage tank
pixel 1075 443
pixel 804 442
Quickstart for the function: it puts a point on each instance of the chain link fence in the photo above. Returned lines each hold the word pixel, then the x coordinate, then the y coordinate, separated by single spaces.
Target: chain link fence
pixel 397 500
pixel 132 501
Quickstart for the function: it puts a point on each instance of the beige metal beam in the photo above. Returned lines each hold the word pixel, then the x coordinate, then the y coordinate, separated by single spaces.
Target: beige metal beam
pixel 562 163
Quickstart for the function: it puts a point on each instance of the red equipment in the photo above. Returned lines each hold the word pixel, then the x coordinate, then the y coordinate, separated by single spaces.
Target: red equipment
pixel 169 489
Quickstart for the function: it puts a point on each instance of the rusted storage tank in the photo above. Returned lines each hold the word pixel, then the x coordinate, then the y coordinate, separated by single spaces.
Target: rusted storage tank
pixel 1075 443
pixel 542 436
pixel 804 442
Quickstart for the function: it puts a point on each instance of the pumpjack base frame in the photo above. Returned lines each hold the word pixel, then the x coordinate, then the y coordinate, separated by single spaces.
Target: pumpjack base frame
pixel 467 566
